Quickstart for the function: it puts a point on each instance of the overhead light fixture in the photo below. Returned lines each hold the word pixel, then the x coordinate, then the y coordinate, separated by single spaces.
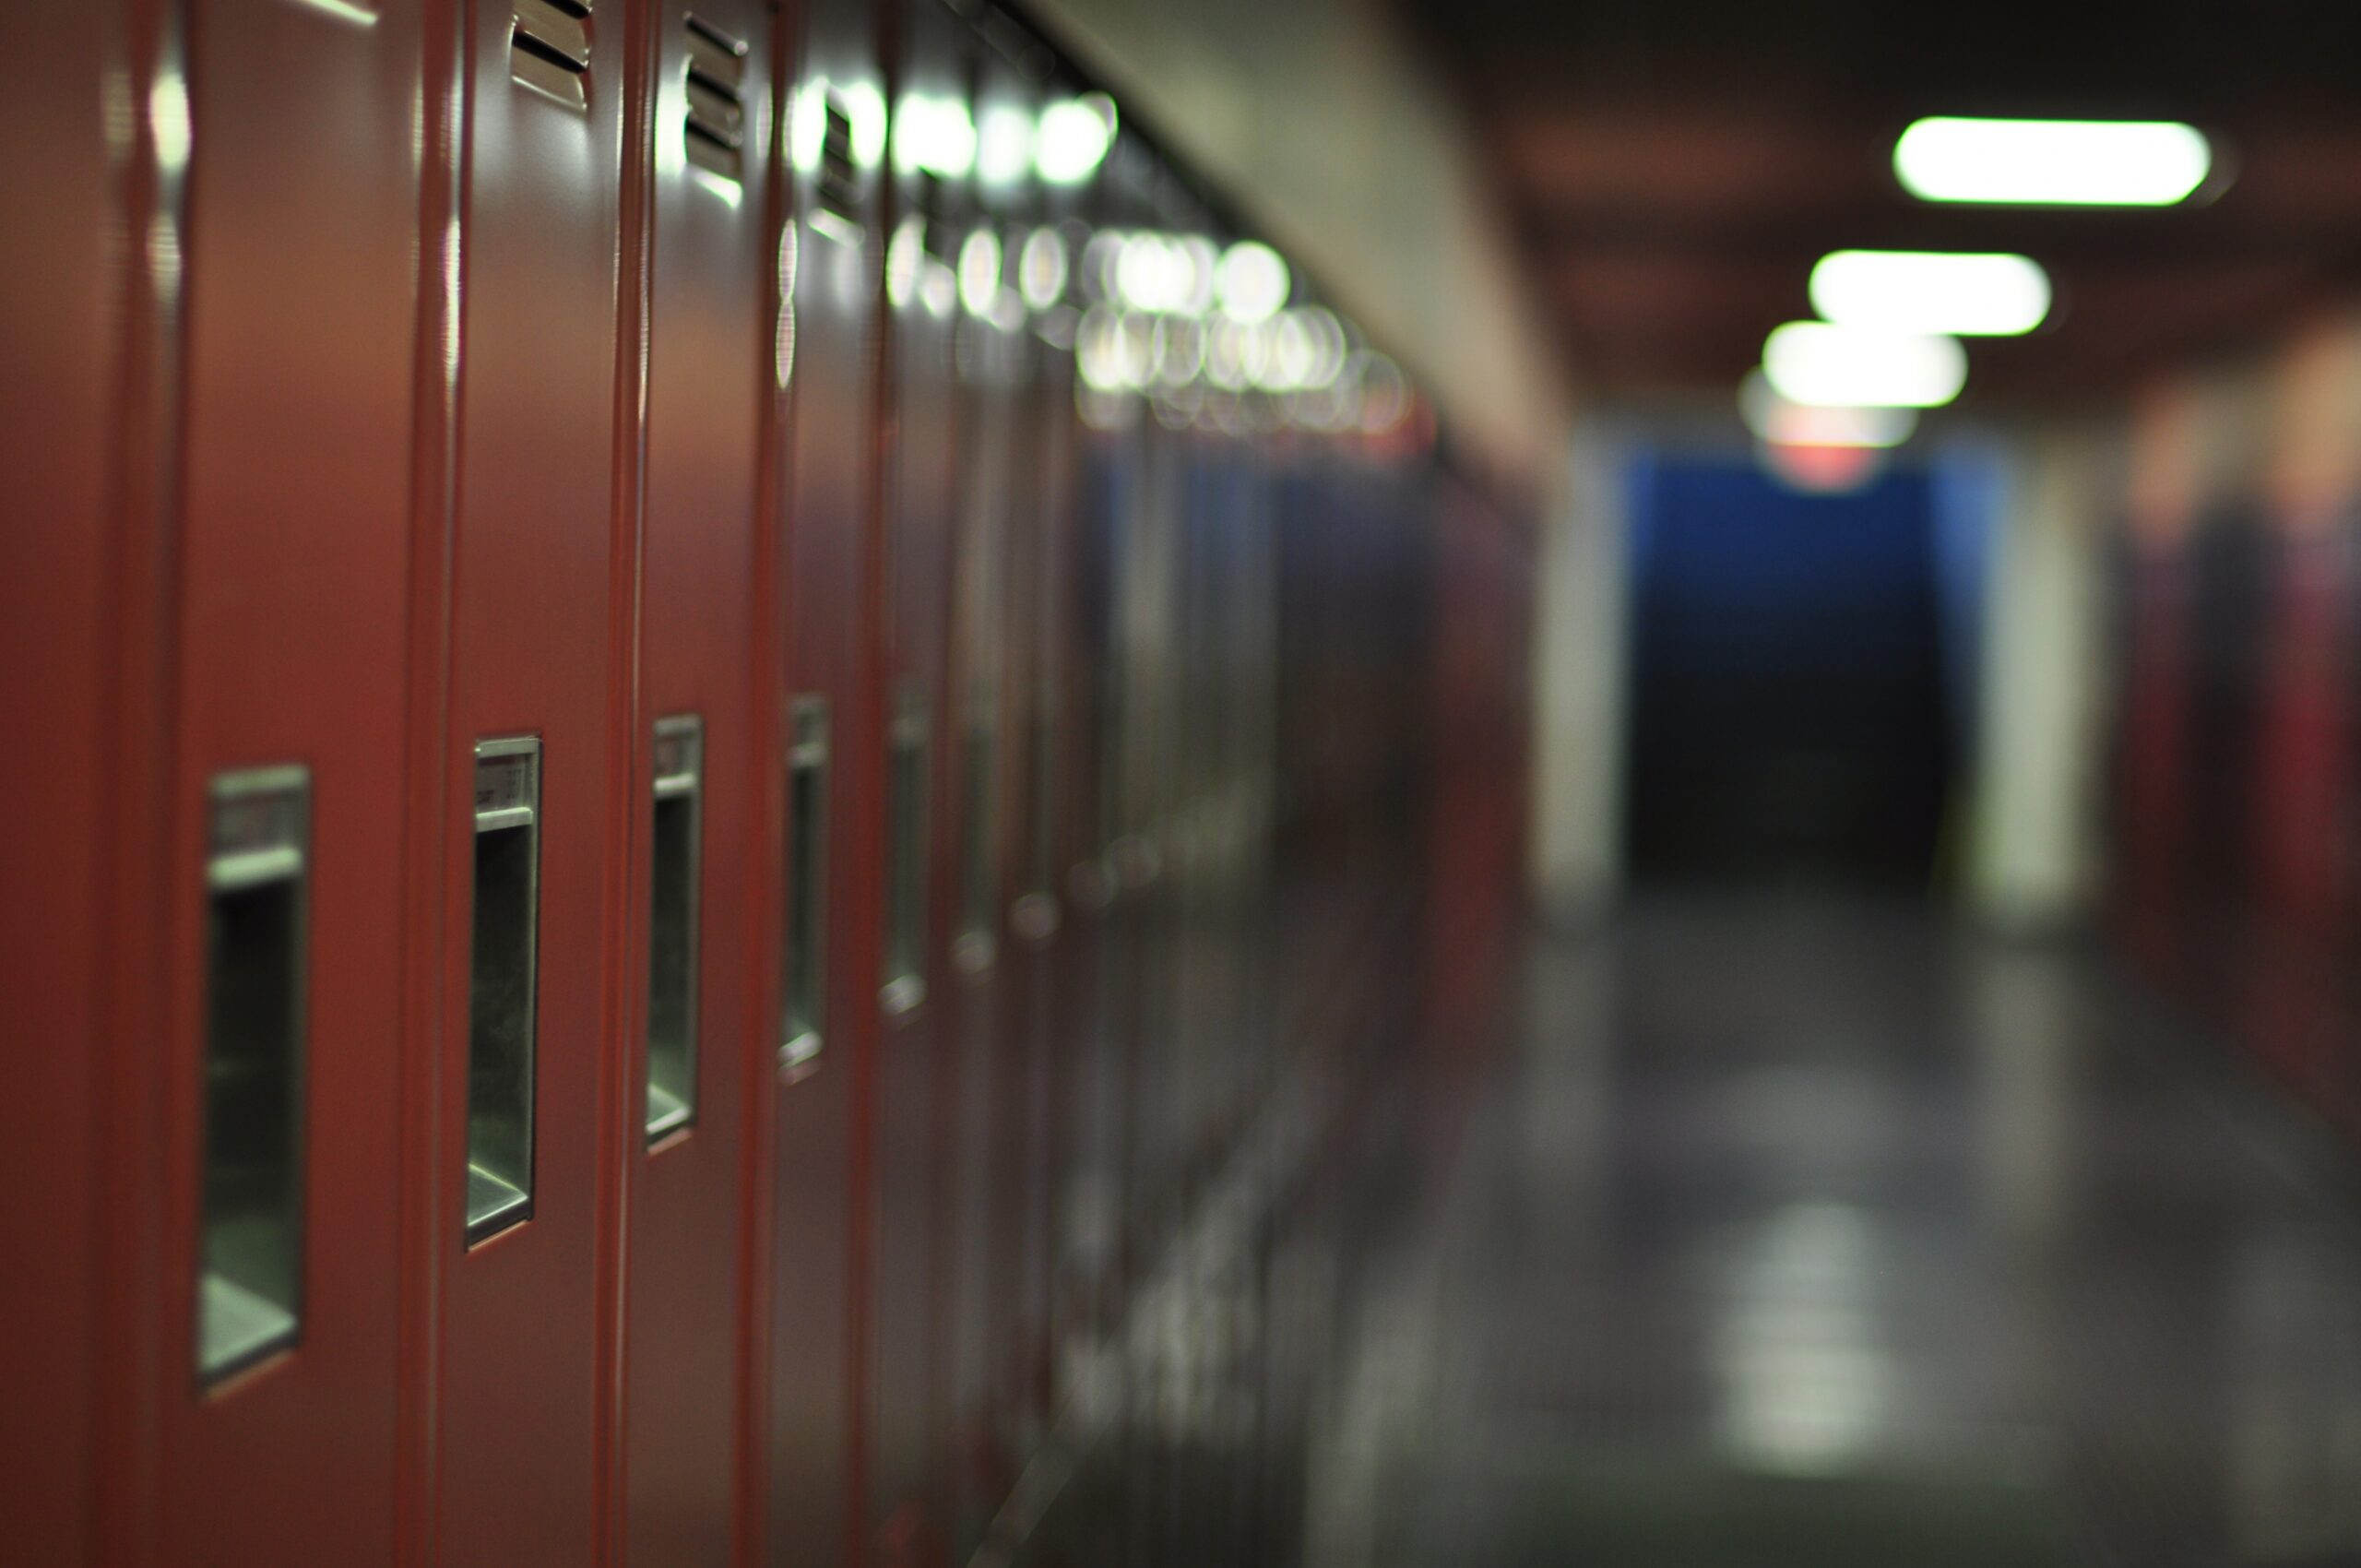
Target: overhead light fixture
pixel 934 134
pixel 1168 273
pixel 1820 470
pixel 1004 145
pixel 1962 295
pixel 1072 139
pixel 1825 365
pixel 2053 162
pixel 1779 423
pixel 1251 281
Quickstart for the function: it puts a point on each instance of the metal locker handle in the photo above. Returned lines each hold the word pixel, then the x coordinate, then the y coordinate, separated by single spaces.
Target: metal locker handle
pixel 503 942
pixel 905 862
pixel 803 980
pixel 249 1298
pixel 672 926
pixel 975 946
pixel 1035 915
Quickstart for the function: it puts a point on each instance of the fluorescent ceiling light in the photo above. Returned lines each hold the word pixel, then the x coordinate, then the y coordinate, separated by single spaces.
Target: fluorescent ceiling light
pixel 1964 295
pixel 1004 145
pixel 1251 281
pixel 1853 367
pixel 2053 162
pixel 1779 423
pixel 1073 137
pixel 936 135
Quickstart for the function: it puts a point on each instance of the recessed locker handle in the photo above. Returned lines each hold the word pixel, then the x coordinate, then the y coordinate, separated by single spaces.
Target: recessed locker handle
pixel 1035 915
pixel 673 925
pixel 804 978
pixel 974 947
pixel 504 961
pixel 249 1297
pixel 906 852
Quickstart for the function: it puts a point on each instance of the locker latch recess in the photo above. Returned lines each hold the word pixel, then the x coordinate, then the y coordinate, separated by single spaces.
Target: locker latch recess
pixel 505 922
pixel 672 926
pixel 251 1233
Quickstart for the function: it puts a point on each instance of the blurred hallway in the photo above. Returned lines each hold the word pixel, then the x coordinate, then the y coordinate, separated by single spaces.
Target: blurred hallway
pixel 1088 784
pixel 1793 1229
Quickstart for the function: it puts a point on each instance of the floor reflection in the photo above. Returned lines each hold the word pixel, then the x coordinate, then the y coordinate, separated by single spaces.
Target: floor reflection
pixel 1798 1229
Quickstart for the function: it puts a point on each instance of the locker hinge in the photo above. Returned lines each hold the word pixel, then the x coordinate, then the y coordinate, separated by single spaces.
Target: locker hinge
pixel 548 48
pixel 715 132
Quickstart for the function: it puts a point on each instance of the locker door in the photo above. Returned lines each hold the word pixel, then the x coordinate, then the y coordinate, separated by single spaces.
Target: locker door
pixel 825 809
pixel 708 355
pixel 932 157
pixel 533 1122
pixel 1148 607
pixel 1059 912
pixel 984 1013
pixel 1093 1091
pixel 1045 802
pixel 58 296
pixel 275 1376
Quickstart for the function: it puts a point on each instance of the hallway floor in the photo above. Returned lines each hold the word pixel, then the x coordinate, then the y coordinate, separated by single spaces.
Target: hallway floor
pixel 1795 1229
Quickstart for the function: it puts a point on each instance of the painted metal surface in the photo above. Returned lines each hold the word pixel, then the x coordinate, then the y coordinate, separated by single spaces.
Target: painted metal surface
pixel 510 381
pixel 830 266
pixel 708 328
pixel 60 314
pixel 990 1009
pixel 917 1074
pixel 289 621
pixel 541 592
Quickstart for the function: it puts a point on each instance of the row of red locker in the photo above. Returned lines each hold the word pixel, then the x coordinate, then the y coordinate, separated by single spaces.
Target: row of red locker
pixel 2236 787
pixel 691 773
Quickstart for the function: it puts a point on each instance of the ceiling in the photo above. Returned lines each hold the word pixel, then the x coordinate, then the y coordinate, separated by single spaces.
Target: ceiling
pixel 1672 170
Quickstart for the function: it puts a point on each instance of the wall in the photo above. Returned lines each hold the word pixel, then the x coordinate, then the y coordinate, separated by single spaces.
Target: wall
pixel 2034 777
pixel 1578 684
pixel 1320 117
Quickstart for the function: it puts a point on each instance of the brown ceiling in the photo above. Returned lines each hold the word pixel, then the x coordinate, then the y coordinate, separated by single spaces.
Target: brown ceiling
pixel 1674 169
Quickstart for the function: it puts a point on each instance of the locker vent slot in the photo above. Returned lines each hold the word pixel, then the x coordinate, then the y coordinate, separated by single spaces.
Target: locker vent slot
pixel 934 233
pixel 504 942
pixel 548 48
pixel 805 980
pixel 905 856
pixel 249 1298
pixel 672 927
pixel 716 133
pixel 839 178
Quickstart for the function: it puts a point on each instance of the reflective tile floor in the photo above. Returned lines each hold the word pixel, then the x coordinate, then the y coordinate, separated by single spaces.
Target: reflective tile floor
pixel 1786 1228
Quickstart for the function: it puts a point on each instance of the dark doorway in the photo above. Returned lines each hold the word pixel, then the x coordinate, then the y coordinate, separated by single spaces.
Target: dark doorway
pixel 1789 717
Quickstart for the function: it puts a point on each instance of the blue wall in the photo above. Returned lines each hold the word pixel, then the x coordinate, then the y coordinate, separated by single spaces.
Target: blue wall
pixel 1791 714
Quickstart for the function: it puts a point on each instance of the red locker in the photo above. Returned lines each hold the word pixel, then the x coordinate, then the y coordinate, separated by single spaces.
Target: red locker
pixel 284 1091
pixel 1046 805
pixel 983 1016
pixel 538 1118
pixel 708 359
pixel 1125 609
pixel 828 742
pixel 1094 1029
pixel 1060 914
pixel 932 153
pixel 58 314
